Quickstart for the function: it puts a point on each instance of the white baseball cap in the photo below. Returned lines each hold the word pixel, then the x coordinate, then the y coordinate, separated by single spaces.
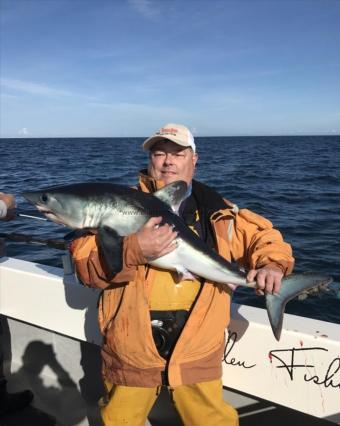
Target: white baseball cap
pixel 174 132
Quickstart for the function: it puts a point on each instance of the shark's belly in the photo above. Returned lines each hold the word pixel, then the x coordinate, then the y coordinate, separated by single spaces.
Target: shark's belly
pixel 125 223
pixel 186 258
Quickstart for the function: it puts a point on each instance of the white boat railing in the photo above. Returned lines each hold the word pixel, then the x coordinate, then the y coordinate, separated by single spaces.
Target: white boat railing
pixel 301 371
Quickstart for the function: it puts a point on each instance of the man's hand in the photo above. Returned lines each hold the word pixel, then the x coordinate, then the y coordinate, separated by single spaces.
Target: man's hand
pixel 268 280
pixel 154 240
pixel 9 200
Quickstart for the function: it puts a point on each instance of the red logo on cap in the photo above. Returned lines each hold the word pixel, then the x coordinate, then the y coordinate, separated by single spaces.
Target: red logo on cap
pixel 169 131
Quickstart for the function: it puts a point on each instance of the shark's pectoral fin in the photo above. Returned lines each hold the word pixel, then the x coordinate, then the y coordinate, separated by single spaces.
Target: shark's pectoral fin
pixel 110 246
pixel 78 233
pixel 291 287
pixel 173 194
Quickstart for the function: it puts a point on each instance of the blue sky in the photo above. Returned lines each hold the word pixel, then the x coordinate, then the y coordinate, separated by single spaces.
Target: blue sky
pixel 127 67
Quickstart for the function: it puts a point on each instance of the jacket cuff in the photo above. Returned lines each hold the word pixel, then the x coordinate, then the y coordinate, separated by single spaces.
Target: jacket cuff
pixel 285 267
pixel 132 252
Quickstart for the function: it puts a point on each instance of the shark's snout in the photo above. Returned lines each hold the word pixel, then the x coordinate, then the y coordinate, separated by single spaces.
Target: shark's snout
pixel 35 197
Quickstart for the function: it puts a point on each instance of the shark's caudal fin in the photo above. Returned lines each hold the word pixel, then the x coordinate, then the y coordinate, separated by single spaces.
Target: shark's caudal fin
pixel 291 286
pixel 173 194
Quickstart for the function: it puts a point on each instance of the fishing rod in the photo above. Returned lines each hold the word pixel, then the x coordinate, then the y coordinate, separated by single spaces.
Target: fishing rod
pixel 30 215
pixel 25 238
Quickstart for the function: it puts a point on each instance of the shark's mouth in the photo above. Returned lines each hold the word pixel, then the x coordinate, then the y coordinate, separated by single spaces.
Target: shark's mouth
pixel 44 210
pixel 49 214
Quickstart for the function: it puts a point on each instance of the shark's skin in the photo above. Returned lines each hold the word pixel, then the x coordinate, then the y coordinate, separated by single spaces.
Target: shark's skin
pixel 117 211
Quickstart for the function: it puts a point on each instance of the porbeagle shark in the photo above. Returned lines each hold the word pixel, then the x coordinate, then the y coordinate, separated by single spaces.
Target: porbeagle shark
pixel 116 211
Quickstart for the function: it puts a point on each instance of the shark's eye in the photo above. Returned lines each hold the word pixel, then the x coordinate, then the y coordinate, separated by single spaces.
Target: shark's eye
pixel 44 198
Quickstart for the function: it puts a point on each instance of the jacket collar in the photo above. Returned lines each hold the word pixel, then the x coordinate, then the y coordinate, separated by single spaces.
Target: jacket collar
pixel 217 208
pixel 149 184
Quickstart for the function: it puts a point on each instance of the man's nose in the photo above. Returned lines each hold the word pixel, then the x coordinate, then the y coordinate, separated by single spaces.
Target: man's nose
pixel 168 158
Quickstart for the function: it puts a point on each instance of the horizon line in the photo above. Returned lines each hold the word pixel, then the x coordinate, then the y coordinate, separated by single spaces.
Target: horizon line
pixel 145 137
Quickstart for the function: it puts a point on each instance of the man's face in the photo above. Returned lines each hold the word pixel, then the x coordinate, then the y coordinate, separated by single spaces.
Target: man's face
pixel 170 162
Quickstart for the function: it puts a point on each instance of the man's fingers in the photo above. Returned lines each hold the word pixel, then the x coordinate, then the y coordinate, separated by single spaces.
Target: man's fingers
pixel 251 275
pixel 153 221
pixel 269 283
pixel 163 230
pixel 261 280
pixel 166 239
pixel 277 285
pixel 155 240
pixel 168 249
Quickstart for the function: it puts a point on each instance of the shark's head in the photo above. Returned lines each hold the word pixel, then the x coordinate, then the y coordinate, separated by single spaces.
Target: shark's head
pixel 60 205
pixel 95 204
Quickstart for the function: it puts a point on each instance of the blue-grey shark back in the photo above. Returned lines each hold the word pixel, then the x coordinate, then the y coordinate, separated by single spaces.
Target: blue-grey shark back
pixel 116 211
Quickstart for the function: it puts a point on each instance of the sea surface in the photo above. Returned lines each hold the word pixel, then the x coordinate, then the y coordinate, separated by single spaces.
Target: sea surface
pixel 293 181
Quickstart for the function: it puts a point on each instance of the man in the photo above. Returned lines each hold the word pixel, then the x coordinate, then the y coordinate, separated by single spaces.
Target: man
pixel 15 401
pixel 159 329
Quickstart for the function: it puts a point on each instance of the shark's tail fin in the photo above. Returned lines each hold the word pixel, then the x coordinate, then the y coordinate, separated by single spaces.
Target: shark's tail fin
pixel 291 286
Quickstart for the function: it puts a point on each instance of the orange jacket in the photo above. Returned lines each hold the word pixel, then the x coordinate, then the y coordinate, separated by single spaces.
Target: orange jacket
pixel 129 353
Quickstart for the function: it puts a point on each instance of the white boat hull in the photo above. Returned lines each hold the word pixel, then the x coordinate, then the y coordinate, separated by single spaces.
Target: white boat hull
pixel 302 371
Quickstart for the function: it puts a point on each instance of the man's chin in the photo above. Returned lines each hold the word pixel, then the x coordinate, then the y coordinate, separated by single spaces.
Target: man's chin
pixel 167 179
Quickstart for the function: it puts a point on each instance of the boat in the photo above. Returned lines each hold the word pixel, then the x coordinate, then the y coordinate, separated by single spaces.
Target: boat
pixel 52 346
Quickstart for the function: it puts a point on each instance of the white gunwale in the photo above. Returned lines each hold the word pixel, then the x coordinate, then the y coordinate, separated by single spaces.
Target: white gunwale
pixel 301 371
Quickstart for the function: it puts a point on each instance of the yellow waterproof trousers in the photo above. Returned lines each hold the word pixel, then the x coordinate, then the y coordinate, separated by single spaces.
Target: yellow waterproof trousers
pixel 198 405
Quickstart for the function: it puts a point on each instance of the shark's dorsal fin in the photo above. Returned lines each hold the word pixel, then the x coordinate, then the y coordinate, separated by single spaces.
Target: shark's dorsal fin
pixel 173 194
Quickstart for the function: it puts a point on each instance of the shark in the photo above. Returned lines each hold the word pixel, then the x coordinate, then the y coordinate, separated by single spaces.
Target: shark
pixel 114 211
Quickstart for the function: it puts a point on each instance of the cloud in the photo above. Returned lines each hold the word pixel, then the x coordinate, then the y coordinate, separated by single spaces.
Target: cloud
pixel 33 88
pixel 5 96
pixel 135 108
pixel 146 8
pixel 23 132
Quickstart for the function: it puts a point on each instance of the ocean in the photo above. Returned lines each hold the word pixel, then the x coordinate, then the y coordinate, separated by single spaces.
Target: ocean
pixel 293 181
